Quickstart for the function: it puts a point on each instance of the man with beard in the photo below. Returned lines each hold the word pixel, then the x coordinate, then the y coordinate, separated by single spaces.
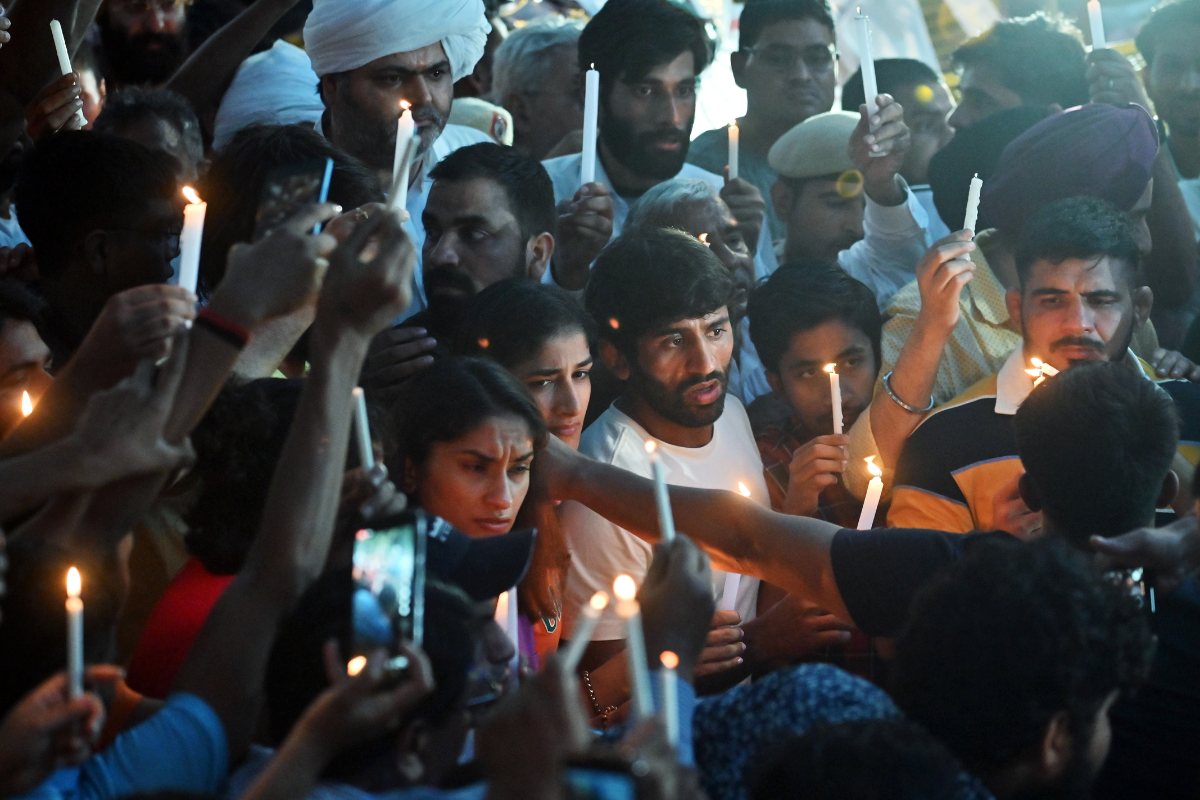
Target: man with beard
pixel 144 41
pixel 489 217
pixel 649 54
pixel 372 57
pixel 1080 297
pixel 661 301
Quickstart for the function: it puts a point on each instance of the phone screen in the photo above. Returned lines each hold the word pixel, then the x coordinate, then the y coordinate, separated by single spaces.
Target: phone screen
pixel 389 584
pixel 288 189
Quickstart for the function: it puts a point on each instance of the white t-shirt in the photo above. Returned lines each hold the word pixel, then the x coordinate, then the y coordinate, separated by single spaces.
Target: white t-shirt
pixel 600 550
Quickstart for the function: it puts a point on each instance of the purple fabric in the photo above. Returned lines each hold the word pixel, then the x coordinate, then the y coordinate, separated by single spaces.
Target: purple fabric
pixel 528 642
pixel 1095 150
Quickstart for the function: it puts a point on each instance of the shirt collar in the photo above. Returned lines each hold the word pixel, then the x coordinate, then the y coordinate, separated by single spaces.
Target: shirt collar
pixel 1013 383
pixel 985 291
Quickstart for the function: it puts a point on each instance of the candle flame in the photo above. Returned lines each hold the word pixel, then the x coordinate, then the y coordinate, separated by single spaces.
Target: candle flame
pixel 74 582
pixel 703 238
pixel 1041 370
pixel 356 665
pixel 624 588
pixel 190 194
pixel 612 323
pixel 599 601
pixel 874 470
pixel 651 446
pixel 733 125
pixel 404 104
pixel 743 489
pixel 831 368
pixel 26 404
pixel 484 344
pixel 669 659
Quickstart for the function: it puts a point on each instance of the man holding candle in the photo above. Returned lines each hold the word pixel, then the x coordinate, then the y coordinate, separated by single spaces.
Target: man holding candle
pixel 24 358
pixel 1080 299
pixel 787 62
pixel 649 55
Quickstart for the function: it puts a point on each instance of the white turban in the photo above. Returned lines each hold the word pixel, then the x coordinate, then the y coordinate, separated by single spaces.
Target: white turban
pixel 274 87
pixel 342 35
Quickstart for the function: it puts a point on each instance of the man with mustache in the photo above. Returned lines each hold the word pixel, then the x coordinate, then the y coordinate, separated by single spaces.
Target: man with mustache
pixel 661 300
pixel 1079 297
pixel 144 41
pixel 649 54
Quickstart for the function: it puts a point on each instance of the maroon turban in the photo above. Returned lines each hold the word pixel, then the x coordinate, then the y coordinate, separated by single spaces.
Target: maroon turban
pixel 1096 150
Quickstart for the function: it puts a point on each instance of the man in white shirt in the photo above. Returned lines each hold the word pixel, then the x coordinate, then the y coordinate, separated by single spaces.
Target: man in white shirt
pixel 661 299
pixel 649 54
pixel 370 57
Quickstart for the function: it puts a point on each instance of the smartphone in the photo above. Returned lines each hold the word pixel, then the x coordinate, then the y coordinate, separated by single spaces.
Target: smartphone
pixel 389 585
pixel 290 188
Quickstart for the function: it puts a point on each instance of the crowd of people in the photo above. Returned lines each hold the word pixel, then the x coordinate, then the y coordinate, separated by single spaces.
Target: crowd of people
pixel 355 510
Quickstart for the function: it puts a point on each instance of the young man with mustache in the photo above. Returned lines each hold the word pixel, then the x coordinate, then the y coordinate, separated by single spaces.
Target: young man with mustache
pixel 1079 298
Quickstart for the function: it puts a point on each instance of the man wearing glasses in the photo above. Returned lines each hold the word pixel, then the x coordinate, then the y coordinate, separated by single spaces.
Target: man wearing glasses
pixel 787 63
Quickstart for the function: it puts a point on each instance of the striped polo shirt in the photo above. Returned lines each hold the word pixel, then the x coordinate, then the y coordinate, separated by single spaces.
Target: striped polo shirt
pixel 962 454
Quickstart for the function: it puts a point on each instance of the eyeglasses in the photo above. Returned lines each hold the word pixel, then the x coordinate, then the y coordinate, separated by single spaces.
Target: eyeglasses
pixel 781 58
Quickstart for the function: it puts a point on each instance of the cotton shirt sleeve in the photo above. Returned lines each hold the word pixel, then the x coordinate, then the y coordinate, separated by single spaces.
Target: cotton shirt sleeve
pixel 886 258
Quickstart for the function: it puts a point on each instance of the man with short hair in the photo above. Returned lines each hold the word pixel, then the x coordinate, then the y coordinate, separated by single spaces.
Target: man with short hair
pixel 24 358
pixel 160 120
pixel 661 301
pixel 787 62
pixel 143 43
pixel 1080 299
pixel 927 106
pixel 536 78
pixel 1034 60
pixel 649 54
pixel 104 215
pixel 489 216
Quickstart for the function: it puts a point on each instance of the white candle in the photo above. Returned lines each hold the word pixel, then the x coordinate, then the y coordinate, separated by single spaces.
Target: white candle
pixel 404 134
pixel 190 239
pixel 635 647
pixel 64 60
pixel 670 696
pixel 972 215
pixel 506 617
pixel 584 628
pixel 74 635
pixel 591 113
pixel 835 396
pixel 867 57
pixel 366 454
pixel 730 591
pixel 1096 19
pixel 866 520
pixel 734 133
pixel 666 521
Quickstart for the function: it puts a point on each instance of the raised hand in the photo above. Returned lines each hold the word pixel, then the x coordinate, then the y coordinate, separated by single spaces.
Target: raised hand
pixel 135 325
pixel 1171 553
pixel 1011 514
pixel 583 228
pixel 1112 79
pixel 723 647
pixel 792 629
pixel 54 108
pixel 814 468
pixel 1173 364
pixel 280 273
pixel 48 731
pixel 677 603
pixel 941 275
pixel 748 207
pixel 395 356
pixel 878 147
pixel 120 433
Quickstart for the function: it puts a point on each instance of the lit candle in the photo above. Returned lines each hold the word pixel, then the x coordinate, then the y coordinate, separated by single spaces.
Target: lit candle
pixel 190 239
pixel 835 396
pixel 867 57
pixel 635 646
pixel 733 149
pixel 74 634
pixel 405 127
pixel 670 696
pixel 666 521
pixel 1041 370
pixel 64 60
pixel 1096 19
pixel 584 628
pixel 506 617
pixel 366 454
pixel 591 113
pixel 866 520
pixel 972 215
pixel 355 665
pixel 26 404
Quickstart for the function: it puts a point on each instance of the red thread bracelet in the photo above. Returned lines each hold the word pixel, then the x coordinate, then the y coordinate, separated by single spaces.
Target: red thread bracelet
pixel 227 329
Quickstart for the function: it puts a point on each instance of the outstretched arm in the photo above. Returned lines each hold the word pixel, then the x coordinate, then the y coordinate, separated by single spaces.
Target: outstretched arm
pixel 740 535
